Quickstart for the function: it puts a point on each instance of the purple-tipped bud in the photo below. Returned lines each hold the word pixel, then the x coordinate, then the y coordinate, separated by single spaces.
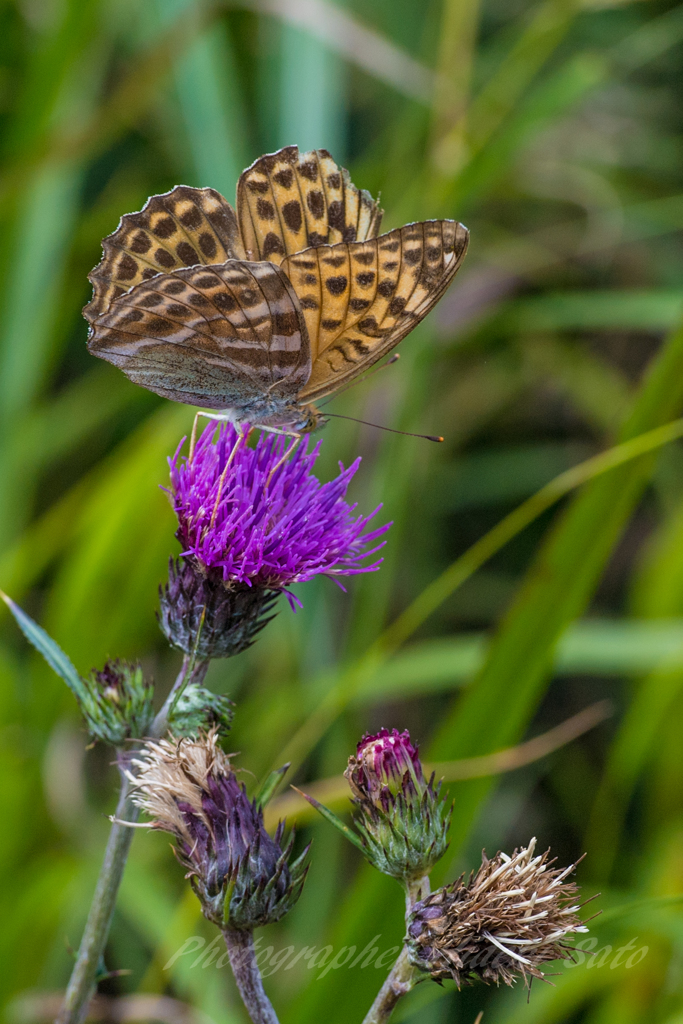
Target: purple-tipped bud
pixel 384 766
pixel 511 917
pixel 241 875
pixel 255 517
pixel 200 614
pixel 403 822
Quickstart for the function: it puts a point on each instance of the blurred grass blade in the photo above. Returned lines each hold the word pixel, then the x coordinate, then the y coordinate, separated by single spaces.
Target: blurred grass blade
pixel 311 93
pixel 548 26
pixel 628 310
pixel 595 647
pixel 347 36
pixel 45 645
pixel 210 99
pixel 556 590
pixel 459 25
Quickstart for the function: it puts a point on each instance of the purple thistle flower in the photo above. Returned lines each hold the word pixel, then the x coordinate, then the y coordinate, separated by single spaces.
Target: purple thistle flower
pixel 256 517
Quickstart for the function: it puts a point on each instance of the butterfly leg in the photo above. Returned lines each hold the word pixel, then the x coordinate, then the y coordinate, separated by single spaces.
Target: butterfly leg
pixel 218 416
pixel 292 448
pixel 240 438
pixel 277 430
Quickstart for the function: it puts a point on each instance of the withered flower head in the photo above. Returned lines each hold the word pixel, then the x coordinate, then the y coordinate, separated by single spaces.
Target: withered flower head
pixel 241 875
pixel 511 917
pixel 402 821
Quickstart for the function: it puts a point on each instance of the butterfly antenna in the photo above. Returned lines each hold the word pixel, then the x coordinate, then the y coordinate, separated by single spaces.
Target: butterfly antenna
pixel 394 359
pixel 379 426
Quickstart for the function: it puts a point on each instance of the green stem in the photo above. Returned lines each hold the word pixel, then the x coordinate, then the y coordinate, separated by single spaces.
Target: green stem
pixel 416 889
pixel 401 980
pixel 248 977
pixel 403 976
pixel 82 982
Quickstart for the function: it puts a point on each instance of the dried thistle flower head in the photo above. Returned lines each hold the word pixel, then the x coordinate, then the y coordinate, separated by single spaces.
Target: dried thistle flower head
pixel 403 823
pixel 241 875
pixel 511 917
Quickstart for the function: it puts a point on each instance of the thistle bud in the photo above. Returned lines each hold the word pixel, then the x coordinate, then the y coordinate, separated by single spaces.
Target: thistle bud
pixel 403 822
pixel 511 917
pixel 117 702
pixel 198 709
pixel 203 614
pixel 241 874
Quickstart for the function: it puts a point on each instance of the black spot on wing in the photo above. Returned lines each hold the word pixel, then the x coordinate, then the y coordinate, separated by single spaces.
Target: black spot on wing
pixel 292 215
pixel 336 285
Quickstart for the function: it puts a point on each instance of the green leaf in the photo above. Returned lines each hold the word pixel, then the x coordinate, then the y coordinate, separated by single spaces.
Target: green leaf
pixel 50 650
pixel 330 816
pixel 267 788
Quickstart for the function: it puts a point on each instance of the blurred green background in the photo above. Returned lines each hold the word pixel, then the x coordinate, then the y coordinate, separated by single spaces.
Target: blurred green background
pixel 553 129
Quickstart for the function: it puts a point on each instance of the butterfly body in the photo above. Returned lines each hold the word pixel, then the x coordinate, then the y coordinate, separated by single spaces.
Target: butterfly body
pixel 259 314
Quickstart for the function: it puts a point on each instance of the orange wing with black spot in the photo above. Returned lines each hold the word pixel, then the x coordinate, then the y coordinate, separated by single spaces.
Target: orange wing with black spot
pixel 361 299
pixel 182 228
pixel 288 201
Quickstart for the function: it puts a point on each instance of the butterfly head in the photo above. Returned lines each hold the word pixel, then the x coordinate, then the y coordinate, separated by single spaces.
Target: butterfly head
pixel 311 419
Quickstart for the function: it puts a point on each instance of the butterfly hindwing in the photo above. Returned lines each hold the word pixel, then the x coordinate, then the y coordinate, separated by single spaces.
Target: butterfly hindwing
pixel 361 299
pixel 219 336
pixel 184 227
pixel 288 201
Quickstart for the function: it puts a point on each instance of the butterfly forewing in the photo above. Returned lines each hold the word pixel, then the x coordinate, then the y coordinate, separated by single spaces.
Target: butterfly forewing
pixel 361 299
pixel 219 336
pixel 288 201
pixel 181 228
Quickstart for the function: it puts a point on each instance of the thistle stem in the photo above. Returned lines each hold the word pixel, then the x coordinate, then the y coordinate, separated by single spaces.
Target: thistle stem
pixel 248 977
pixel 416 889
pixel 403 976
pixel 190 672
pixel 82 982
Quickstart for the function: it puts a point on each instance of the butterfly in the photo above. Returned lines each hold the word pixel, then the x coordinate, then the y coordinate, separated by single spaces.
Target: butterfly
pixel 261 312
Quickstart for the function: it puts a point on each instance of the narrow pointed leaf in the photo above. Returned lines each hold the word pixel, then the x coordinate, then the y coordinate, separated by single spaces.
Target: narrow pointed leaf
pixel 269 785
pixel 334 820
pixel 50 650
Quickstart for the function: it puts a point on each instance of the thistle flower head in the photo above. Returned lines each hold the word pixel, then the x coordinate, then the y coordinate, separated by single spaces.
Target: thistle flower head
pixel 402 821
pixel 202 616
pixel 511 917
pixel 254 517
pixel 241 875
pixel 117 702
pixel 384 766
